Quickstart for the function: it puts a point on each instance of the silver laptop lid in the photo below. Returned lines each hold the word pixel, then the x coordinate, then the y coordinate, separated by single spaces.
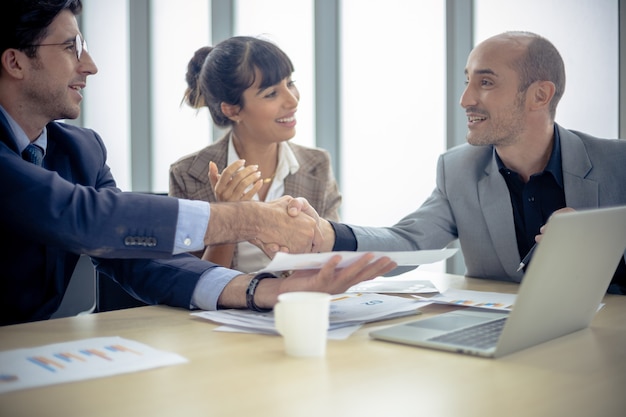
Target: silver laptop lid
pixel 569 274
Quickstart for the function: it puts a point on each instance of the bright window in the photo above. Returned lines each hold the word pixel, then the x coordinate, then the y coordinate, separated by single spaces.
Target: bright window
pixel 106 105
pixel 177 129
pixel 586 33
pixel 393 109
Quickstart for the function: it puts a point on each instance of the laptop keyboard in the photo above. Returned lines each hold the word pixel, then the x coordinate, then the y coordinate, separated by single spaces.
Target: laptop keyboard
pixel 483 336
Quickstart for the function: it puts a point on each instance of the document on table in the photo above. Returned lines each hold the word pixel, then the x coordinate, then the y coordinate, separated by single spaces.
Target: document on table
pixel 482 299
pixel 291 262
pixel 347 313
pixel 383 285
pixel 78 360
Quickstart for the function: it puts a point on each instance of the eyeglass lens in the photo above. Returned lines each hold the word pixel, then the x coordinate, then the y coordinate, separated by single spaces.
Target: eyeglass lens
pixel 81 45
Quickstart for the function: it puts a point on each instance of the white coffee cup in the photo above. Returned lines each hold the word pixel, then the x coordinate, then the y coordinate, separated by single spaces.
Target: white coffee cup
pixel 302 319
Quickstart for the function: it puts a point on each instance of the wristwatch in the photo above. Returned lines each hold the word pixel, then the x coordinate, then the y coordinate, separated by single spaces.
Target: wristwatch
pixel 254 282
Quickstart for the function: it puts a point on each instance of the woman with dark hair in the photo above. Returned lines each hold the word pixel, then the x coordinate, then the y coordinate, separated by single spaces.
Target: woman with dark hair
pixel 246 84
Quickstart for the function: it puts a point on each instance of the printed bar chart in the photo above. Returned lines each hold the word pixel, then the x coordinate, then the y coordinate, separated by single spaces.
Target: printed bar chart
pixel 78 360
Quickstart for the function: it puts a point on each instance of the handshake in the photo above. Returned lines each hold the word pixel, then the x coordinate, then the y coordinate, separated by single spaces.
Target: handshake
pixel 287 224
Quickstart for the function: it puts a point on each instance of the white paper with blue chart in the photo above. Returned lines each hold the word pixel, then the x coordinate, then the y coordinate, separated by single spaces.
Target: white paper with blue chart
pixel 78 360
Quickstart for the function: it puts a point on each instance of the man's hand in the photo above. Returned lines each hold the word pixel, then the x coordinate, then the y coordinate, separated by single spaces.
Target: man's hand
pixel 325 240
pixel 328 279
pixel 267 225
pixel 291 231
pixel 332 280
pixel 543 228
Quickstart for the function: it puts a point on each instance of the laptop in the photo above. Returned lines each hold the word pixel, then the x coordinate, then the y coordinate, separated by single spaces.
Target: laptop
pixel 562 289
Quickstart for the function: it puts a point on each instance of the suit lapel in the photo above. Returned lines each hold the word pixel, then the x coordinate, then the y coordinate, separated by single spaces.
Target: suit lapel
pixel 495 205
pixel 55 160
pixel 294 182
pixel 495 202
pixel 304 177
pixel 6 134
pixel 199 168
pixel 580 192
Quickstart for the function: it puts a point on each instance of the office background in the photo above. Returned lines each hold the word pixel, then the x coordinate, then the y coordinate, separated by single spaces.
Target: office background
pixel 380 82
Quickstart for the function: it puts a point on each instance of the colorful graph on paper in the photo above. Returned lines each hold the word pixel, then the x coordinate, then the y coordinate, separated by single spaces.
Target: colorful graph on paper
pixel 78 360
pixel 491 300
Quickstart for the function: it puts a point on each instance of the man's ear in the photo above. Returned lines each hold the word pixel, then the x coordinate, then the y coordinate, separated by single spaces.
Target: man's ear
pixel 541 94
pixel 12 62
pixel 231 111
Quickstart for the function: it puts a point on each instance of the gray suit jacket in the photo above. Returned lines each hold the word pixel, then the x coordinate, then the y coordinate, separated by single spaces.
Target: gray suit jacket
pixel 471 202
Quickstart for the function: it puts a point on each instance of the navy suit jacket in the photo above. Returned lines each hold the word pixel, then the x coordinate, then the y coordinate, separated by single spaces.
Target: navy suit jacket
pixel 50 215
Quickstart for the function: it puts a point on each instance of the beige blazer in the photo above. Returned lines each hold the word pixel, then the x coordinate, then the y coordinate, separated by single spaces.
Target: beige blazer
pixel 314 180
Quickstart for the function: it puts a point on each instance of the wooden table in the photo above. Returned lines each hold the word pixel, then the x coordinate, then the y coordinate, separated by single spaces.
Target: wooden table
pixel 235 374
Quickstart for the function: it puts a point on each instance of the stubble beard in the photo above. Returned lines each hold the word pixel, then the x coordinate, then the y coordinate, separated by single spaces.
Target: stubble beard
pixel 502 132
pixel 53 104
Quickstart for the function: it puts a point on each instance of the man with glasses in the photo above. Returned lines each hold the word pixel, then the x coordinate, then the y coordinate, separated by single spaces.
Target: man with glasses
pixel 59 199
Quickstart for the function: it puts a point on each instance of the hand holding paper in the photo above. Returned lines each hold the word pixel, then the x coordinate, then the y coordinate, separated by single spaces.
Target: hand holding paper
pixel 292 262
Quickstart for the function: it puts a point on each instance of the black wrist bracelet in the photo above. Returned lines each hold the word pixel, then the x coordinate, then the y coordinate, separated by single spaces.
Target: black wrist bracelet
pixel 254 282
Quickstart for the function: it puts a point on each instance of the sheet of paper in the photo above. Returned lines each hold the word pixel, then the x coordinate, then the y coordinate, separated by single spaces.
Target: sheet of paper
pixel 349 309
pixel 341 333
pixel 383 285
pixel 482 299
pixel 491 300
pixel 290 262
pixel 78 360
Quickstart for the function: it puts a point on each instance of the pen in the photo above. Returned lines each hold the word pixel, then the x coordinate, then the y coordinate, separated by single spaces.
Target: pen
pixel 526 259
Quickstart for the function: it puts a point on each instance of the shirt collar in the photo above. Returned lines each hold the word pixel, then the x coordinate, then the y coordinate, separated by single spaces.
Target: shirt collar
pixel 21 140
pixel 554 165
pixel 287 161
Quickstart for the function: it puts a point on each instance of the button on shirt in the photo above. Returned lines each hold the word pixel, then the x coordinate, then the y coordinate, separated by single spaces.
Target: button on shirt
pixel 533 202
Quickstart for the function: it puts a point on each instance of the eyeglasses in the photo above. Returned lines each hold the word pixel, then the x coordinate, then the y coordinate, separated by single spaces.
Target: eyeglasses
pixel 79 44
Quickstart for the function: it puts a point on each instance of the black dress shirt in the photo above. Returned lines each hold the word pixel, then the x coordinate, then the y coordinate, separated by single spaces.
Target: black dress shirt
pixel 533 202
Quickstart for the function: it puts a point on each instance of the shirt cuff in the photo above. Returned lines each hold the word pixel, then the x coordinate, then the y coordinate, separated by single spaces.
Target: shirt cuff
pixel 210 286
pixel 344 237
pixel 191 226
